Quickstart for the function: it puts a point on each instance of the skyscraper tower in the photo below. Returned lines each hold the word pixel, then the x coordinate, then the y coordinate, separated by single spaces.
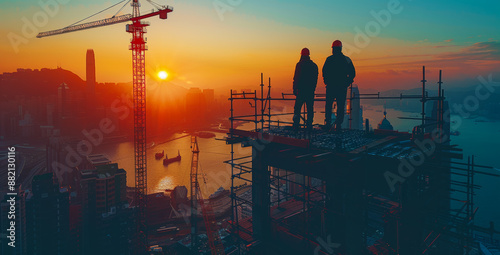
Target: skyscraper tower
pixel 90 79
pixel 354 114
pixel 63 100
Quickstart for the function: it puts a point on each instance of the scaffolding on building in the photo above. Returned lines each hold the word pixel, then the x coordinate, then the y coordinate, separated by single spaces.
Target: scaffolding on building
pixel 297 206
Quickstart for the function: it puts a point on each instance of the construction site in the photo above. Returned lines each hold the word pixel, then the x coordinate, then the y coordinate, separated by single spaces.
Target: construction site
pixel 354 191
pixel 357 190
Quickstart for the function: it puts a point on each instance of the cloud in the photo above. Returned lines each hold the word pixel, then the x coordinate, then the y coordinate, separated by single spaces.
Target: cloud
pixel 395 57
pixel 478 51
pixel 449 40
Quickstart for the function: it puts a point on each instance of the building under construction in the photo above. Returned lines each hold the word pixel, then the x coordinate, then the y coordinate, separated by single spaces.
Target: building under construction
pixel 357 191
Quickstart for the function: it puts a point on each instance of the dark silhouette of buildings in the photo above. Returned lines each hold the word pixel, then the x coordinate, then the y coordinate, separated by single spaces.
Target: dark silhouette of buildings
pixel 355 110
pixel 63 101
pixel 384 123
pixel 106 218
pixel 91 80
pixel 47 217
pixel 195 107
pixel 91 83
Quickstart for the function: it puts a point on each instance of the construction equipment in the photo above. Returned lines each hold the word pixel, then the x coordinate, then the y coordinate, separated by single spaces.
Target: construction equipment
pixel 214 239
pixel 138 47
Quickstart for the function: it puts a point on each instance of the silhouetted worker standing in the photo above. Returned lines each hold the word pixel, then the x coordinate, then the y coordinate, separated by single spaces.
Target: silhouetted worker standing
pixel 304 85
pixel 338 74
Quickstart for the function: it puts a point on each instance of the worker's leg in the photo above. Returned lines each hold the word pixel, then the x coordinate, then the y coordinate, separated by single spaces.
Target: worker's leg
pixel 341 98
pixel 299 101
pixel 328 107
pixel 310 110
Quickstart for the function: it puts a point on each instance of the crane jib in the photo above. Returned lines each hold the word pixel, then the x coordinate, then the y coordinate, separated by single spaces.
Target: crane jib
pixel 104 22
pixel 99 23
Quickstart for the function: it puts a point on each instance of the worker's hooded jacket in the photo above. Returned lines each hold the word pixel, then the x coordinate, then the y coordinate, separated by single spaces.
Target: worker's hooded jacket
pixel 338 71
pixel 306 76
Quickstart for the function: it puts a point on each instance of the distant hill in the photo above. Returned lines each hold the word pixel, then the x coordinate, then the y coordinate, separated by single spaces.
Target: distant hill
pixel 44 82
pixel 489 108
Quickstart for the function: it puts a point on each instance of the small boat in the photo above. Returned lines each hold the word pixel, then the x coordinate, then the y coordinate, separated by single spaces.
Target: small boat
pixel 160 155
pixel 204 134
pixel 219 192
pixel 167 160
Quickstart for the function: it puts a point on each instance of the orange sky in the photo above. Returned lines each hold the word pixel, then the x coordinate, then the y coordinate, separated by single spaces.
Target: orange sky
pixel 199 49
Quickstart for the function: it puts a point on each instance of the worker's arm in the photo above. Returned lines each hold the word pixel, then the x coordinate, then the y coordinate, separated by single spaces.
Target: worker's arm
pixel 351 71
pixel 296 78
pixel 325 71
pixel 315 76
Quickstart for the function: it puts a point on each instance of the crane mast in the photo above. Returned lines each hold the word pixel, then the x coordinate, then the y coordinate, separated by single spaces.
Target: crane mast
pixel 197 200
pixel 195 188
pixel 138 48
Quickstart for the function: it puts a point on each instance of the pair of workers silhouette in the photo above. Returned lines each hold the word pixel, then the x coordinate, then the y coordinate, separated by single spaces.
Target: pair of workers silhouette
pixel 338 73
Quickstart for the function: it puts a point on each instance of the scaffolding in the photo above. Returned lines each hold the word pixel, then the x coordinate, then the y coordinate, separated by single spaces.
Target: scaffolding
pixel 290 195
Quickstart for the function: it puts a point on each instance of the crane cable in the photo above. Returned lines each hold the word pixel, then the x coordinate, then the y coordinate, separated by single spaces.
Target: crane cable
pixel 97 13
pixel 121 8
pixel 154 4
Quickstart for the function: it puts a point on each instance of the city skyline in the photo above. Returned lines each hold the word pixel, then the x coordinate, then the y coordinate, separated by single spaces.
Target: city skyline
pixel 213 132
pixel 216 45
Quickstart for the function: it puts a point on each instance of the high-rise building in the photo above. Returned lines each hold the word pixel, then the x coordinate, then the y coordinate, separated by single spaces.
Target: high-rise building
pixel 108 182
pixel 209 95
pixel 105 214
pixel 54 154
pixel 90 74
pixel 50 114
pixel 63 100
pixel 195 106
pixel 354 117
pixel 47 217
pixel 75 224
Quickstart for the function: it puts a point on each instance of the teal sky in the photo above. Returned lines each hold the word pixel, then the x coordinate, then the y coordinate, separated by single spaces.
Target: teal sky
pixel 460 36
pixel 433 20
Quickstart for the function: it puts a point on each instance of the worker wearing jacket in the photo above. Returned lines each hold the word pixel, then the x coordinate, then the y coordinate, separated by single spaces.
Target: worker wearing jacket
pixel 304 85
pixel 338 74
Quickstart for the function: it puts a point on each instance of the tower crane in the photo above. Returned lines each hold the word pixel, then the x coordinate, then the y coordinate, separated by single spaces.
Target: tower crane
pixel 214 239
pixel 138 46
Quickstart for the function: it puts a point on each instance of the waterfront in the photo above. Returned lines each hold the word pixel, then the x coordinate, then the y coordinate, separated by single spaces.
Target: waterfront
pixel 213 152
pixel 478 137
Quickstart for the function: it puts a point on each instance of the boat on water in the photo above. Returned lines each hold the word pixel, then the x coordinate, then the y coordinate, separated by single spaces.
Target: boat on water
pixel 218 193
pixel 159 155
pixel 205 134
pixel 167 160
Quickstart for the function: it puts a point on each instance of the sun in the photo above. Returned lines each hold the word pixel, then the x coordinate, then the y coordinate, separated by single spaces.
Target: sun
pixel 162 75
